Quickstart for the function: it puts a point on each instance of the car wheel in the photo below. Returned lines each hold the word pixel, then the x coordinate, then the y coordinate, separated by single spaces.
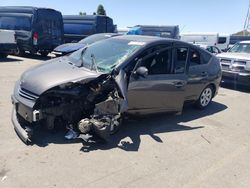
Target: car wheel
pixel 44 54
pixel 19 52
pixel 205 98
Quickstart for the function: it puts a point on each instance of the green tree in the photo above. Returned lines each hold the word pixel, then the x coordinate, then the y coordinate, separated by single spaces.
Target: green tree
pixel 101 10
pixel 82 13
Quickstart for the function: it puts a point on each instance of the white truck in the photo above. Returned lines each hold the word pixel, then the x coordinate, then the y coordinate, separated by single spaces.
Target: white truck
pixel 7 42
pixel 210 39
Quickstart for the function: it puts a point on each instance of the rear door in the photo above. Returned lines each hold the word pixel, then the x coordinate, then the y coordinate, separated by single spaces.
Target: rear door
pixel 162 89
pixel 50 28
pixel 198 75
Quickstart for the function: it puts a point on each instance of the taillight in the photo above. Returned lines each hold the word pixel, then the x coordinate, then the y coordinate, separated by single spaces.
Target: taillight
pixel 35 38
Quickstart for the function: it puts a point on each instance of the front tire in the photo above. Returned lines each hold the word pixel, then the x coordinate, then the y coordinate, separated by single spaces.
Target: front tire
pixel 205 98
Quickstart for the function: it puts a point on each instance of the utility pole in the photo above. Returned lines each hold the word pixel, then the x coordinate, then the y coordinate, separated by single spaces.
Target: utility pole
pixel 247 21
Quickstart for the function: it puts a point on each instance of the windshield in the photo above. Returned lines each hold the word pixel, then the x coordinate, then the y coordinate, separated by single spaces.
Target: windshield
pixel 93 38
pixel 15 23
pixel 105 55
pixel 240 48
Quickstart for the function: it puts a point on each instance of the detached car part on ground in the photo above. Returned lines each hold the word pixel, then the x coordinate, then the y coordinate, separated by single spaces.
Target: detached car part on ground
pixel 236 64
pixel 90 90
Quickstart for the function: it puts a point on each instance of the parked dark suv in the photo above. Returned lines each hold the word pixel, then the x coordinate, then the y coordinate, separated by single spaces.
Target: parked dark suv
pixel 92 89
pixel 78 27
pixel 37 29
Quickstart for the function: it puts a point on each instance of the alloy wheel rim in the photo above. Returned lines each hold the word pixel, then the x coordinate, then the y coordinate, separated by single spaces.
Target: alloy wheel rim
pixel 206 97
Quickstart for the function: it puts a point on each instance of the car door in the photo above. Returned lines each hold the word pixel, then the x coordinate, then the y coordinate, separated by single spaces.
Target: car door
pixel 198 74
pixel 161 90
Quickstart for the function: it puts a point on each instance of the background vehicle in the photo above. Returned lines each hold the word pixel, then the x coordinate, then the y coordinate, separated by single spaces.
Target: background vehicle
pixel 235 64
pixel 223 42
pixel 67 48
pixel 237 38
pixel 79 27
pixel 211 39
pixel 212 49
pixel 122 31
pixel 37 29
pixel 93 87
pixel 7 43
pixel 153 30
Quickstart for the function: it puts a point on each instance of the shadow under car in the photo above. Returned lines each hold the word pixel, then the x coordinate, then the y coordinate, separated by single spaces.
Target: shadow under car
pixel 133 128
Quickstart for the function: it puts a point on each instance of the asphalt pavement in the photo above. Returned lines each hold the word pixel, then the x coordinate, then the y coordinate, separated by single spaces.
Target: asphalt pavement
pixel 208 149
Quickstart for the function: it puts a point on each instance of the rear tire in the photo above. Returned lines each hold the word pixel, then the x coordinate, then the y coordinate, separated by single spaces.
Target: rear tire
pixel 205 97
pixel 44 54
pixel 2 55
pixel 19 52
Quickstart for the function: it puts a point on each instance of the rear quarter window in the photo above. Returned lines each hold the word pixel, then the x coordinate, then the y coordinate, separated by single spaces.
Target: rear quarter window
pixel 198 57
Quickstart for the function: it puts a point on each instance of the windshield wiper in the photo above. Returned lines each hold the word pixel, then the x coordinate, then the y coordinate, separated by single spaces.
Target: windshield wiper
pixel 93 63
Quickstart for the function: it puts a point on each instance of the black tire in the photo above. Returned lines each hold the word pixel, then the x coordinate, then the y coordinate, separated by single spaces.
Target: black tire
pixel 2 55
pixel 205 98
pixel 19 52
pixel 44 54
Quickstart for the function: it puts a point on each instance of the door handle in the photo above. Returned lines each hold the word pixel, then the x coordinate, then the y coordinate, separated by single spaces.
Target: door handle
pixel 204 74
pixel 179 84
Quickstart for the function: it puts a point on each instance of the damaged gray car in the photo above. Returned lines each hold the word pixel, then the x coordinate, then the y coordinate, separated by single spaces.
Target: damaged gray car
pixel 90 91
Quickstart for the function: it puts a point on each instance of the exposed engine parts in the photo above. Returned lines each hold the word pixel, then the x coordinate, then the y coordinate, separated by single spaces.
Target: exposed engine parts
pixel 89 108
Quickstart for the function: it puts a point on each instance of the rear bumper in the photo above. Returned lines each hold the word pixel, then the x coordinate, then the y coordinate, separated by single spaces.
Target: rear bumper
pixel 236 78
pixel 7 48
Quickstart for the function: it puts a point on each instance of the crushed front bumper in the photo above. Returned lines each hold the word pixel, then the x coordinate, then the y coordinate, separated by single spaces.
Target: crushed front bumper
pixel 24 132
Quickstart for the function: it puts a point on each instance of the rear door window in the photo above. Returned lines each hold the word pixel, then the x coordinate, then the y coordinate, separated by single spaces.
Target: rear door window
pixel 194 58
pixel 180 59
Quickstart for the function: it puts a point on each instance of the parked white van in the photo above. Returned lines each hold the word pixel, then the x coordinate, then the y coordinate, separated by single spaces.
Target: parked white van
pixel 7 42
pixel 210 39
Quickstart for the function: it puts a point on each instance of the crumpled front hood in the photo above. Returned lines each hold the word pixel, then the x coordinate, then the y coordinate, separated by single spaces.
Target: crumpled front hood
pixel 53 73
pixel 239 56
pixel 69 47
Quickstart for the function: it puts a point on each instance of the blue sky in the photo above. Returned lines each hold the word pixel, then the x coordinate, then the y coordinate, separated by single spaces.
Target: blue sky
pixel 223 16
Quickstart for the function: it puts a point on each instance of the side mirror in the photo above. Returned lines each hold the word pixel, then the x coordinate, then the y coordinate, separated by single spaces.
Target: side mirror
pixel 141 71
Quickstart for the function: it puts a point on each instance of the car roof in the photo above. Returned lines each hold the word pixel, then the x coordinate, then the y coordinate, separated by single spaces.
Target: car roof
pixel 145 39
pixel 24 8
pixel 106 34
